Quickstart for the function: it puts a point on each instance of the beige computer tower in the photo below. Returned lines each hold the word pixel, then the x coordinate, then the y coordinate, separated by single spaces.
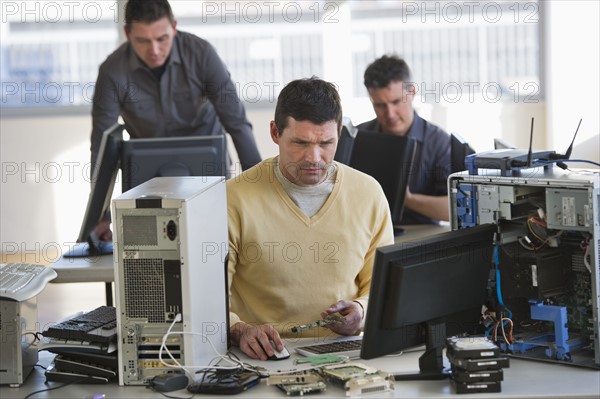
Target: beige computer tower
pixel 170 245
pixel 18 355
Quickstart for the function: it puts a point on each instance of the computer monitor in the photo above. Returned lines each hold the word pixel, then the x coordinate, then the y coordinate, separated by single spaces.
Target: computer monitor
pixel 459 149
pixel 143 159
pixel 388 158
pixel 501 144
pixel 104 174
pixel 346 142
pixel 424 292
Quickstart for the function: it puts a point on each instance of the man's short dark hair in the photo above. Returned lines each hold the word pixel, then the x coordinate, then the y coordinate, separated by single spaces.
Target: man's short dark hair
pixel 309 99
pixel 147 11
pixel 387 69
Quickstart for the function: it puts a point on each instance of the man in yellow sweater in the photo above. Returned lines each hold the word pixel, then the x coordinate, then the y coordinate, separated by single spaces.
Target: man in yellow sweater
pixel 303 229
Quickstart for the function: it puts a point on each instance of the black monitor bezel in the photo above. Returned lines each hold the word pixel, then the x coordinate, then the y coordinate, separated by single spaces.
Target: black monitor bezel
pixel 378 154
pixel 132 149
pixel 459 149
pixel 103 178
pixel 345 145
pixel 379 340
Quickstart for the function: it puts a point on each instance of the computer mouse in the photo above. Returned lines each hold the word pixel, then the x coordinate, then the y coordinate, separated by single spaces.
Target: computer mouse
pixel 278 355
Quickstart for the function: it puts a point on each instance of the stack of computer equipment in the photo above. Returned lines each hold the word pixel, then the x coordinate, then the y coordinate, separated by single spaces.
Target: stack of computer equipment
pixel 476 364
pixel 20 283
pixel 85 347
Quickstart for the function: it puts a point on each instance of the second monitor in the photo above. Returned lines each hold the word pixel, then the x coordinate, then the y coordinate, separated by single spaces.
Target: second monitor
pixel 144 159
pixel 141 160
pixel 387 158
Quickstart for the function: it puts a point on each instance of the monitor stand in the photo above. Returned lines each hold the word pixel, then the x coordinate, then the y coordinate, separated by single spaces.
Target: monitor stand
pixel 398 230
pixel 431 363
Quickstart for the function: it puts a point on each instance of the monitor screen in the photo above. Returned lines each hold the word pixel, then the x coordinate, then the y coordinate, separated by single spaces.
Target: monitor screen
pixel 103 179
pixel 387 158
pixel 459 149
pixel 346 142
pixel 144 159
pixel 423 292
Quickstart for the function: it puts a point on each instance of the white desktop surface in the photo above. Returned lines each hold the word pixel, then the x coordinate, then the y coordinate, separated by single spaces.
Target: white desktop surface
pixel 84 270
pixel 523 379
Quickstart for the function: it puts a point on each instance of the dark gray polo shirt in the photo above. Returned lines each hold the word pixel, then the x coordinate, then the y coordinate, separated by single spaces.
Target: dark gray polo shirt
pixel 431 165
pixel 194 96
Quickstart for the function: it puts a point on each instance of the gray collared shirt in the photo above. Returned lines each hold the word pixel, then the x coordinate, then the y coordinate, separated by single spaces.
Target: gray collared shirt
pixel 194 96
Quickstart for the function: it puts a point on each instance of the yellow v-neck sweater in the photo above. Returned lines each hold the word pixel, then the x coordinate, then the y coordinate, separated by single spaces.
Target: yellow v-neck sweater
pixel 286 268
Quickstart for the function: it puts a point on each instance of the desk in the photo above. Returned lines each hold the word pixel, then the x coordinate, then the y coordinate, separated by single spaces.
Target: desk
pixel 86 270
pixel 101 268
pixel 523 379
pixel 416 232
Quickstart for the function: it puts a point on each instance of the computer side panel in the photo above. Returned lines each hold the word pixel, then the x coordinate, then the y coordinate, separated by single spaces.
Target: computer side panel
pixel 203 275
pixel 548 262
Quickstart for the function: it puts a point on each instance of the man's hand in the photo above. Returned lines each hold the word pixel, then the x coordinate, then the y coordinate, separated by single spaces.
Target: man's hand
pixel 254 340
pixel 352 312
pixel 103 231
pixel 432 206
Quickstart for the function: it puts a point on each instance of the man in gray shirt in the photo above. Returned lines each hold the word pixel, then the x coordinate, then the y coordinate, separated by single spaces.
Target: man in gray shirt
pixel 165 83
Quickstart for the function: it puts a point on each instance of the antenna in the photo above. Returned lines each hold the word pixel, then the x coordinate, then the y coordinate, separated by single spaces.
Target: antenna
pixel 530 153
pixel 568 153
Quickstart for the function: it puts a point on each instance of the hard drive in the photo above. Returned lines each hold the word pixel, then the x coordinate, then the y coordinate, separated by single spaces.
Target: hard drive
pixel 476 387
pixel 462 376
pixel 496 363
pixel 471 348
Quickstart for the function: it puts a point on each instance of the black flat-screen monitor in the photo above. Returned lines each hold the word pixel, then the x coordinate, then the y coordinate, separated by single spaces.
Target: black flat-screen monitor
pixel 141 160
pixel 104 173
pixel 346 142
pixel 423 292
pixel 388 158
pixel 144 159
pixel 459 149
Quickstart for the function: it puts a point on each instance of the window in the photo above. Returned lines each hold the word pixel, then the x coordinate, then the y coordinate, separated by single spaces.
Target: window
pixel 51 50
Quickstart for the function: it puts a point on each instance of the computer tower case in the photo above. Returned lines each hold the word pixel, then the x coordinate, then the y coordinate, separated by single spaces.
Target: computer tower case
pixel 548 259
pixel 18 324
pixel 170 245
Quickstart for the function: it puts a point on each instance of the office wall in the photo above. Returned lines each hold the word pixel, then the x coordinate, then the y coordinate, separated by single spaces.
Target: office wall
pixel 45 163
pixel 572 45
pixel 45 183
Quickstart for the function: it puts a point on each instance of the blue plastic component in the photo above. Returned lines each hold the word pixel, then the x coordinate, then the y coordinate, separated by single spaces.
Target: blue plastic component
pixel 557 315
pixel 556 345
pixel 470 164
pixel 466 205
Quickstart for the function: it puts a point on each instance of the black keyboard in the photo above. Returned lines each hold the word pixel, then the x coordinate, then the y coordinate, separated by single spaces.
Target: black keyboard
pixel 98 325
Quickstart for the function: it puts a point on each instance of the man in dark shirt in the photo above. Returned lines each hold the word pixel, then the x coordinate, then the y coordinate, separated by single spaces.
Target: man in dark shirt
pixel 166 83
pixel 391 90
